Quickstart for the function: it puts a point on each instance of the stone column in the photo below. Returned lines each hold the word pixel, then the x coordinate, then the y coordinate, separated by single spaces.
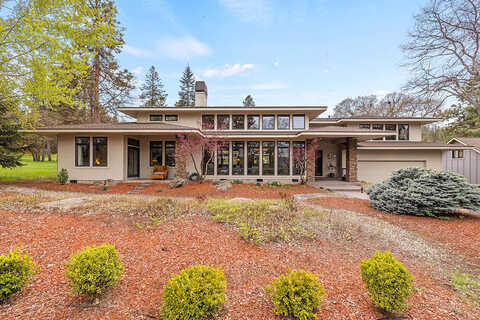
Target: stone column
pixel 351 155
pixel 180 164
pixel 310 154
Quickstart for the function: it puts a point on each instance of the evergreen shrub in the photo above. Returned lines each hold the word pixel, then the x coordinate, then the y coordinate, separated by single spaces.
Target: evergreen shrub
pixel 62 176
pixel 298 294
pixel 15 271
pixel 388 282
pixel 94 269
pixel 197 292
pixel 422 192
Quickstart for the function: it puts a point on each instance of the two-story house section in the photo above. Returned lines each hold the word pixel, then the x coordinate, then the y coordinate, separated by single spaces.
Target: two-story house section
pixel 253 143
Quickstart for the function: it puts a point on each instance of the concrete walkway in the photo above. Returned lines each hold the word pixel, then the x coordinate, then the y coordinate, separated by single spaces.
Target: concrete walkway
pixel 335 185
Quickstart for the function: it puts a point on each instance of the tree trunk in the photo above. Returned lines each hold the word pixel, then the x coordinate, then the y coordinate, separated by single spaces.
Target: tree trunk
pixel 95 93
pixel 49 150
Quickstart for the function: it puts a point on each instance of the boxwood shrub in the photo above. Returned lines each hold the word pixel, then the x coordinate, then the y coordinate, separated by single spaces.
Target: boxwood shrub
pixel 421 192
pixel 388 282
pixel 298 294
pixel 16 269
pixel 94 269
pixel 197 292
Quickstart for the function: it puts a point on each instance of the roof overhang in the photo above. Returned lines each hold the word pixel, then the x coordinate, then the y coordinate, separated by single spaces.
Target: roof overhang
pixel 413 147
pixel 462 143
pixel 378 120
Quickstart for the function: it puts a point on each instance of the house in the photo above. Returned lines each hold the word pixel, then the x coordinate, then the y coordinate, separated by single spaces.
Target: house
pixel 257 143
pixel 464 162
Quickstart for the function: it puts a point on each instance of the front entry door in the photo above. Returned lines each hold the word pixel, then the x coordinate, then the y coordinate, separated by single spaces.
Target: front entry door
pixel 319 163
pixel 133 162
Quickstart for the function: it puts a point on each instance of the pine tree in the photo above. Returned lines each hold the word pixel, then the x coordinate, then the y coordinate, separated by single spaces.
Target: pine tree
pixel 153 94
pixel 11 140
pixel 248 101
pixel 186 95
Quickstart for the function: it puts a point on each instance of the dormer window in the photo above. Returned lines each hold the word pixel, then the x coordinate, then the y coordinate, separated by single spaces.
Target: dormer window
pixel 156 117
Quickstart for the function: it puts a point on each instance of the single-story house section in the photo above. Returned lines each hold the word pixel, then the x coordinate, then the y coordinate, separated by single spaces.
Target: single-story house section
pixel 253 144
pixel 464 162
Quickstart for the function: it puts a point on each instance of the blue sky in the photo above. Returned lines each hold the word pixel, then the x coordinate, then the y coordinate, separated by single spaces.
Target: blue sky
pixel 298 52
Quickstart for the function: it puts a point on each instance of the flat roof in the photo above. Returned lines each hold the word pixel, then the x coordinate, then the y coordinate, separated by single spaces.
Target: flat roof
pixel 408 145
pixel 376 119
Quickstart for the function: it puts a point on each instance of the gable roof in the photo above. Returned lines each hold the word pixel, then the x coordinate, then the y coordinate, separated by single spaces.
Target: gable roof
pixel 467 141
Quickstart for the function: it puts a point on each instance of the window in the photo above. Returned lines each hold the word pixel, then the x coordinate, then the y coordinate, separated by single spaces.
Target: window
pixel 365 126
pixel 268 158
pixel 208 165
pixel 170 153
pixel 223 153
pixel 391 127
pixel 283 154
pixel 268 122
pixel 223 122
pixel 377 126
pixel 82 151
pixel 253 122
pixel 208 122
pixel 403 132
pixel 100 151
pixel 299 122
pixel 283 122
pixel 457 154
pixel 253 157
pixel 238 122
pixel 171 117
pixel 156 117
pixel 238 157
pixel 156 153
pixel 298 157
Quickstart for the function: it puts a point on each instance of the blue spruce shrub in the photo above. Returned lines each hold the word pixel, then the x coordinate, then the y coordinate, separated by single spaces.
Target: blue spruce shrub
pixel 421 192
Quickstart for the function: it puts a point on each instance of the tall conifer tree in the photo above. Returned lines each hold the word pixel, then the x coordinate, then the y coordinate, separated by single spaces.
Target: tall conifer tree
pixel 153 94
pixel 186 95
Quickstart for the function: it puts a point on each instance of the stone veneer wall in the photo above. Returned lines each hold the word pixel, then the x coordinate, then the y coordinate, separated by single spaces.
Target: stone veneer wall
pixel 180 164
pixel 310 154
pixel 352 163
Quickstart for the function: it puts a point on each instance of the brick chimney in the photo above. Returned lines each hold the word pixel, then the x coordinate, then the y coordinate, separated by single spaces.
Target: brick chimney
pixel 201 94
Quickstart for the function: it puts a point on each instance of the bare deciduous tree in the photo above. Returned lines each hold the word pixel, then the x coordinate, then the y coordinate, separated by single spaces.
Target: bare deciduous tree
pixel 443 51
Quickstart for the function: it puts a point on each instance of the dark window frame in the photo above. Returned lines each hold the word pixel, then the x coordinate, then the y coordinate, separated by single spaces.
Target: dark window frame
pixel 222 156
pixel 156 115
pixel 88 150
pixel 279 157
pixel 458 154
pixel 392 137
pixel 233 121
pixel 295 170
pixel 152 143
pixel 95 143
pixel 400 137
pixel 250 169
pixel 257 116
pixel 242 156
pixel 270 156
pixel 226 116
pixel 212 127
pixel 365 126
pixel 169 116
pixel 293 121
pixel 263 121
pixel 168 147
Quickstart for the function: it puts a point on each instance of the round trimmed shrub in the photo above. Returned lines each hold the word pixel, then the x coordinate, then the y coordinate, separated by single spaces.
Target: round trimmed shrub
pixel 424 192
pixel 388 282
pixel 194 293
pixel 298 294
pixel 15 271
pixel 94 269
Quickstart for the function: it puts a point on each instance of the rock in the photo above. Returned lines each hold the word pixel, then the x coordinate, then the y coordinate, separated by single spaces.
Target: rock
pixel 177 183
pixel 240 200
pixel 224 186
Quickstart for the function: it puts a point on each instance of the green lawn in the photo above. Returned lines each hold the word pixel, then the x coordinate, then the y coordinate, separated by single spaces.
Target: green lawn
pixel 31 170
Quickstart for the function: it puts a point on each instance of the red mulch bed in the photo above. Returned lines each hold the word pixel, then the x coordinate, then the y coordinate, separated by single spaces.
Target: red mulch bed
pixel 151 256
pixel 461 235
pixel 192 189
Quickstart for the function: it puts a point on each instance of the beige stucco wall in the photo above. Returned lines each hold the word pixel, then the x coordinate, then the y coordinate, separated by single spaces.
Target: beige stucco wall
pixel 377 165
pixel 114 169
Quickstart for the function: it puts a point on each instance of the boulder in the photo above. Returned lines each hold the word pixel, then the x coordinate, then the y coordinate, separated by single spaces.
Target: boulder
pixel 177 183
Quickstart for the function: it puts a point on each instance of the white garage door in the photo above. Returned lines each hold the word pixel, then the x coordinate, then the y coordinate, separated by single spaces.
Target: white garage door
pixel 376 171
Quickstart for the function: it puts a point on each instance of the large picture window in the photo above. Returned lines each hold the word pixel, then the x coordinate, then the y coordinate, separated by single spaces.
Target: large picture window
pixel 391 127
pixel 170 153
pixel 238 157
pixel 268 122
pixel 238 122
pixel 223 155
pixel 377 126
pixel 268 158
pixel 100 151
pixel 283 151
pixel 298 122
pixel 223 122
pixel 253 157
pixel 253 122
pixel 82 151
pixel 208 122
pixel 283 122
pixel 156 153
pixel 403 132
pixel 298 157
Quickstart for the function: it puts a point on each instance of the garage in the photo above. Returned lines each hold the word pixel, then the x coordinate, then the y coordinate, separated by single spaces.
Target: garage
pixel 379 170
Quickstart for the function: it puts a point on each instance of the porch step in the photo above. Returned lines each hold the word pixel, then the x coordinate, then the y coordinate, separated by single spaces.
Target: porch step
pixel 139 188
pixel 337 185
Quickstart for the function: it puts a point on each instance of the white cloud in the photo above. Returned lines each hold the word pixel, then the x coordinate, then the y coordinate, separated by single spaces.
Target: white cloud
pixel 276 63
pixel 227 70
pixel 183 48
pixel 137 71
pixel 248 10
pixel 381 93
pixel 136 51
pixel 269 86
